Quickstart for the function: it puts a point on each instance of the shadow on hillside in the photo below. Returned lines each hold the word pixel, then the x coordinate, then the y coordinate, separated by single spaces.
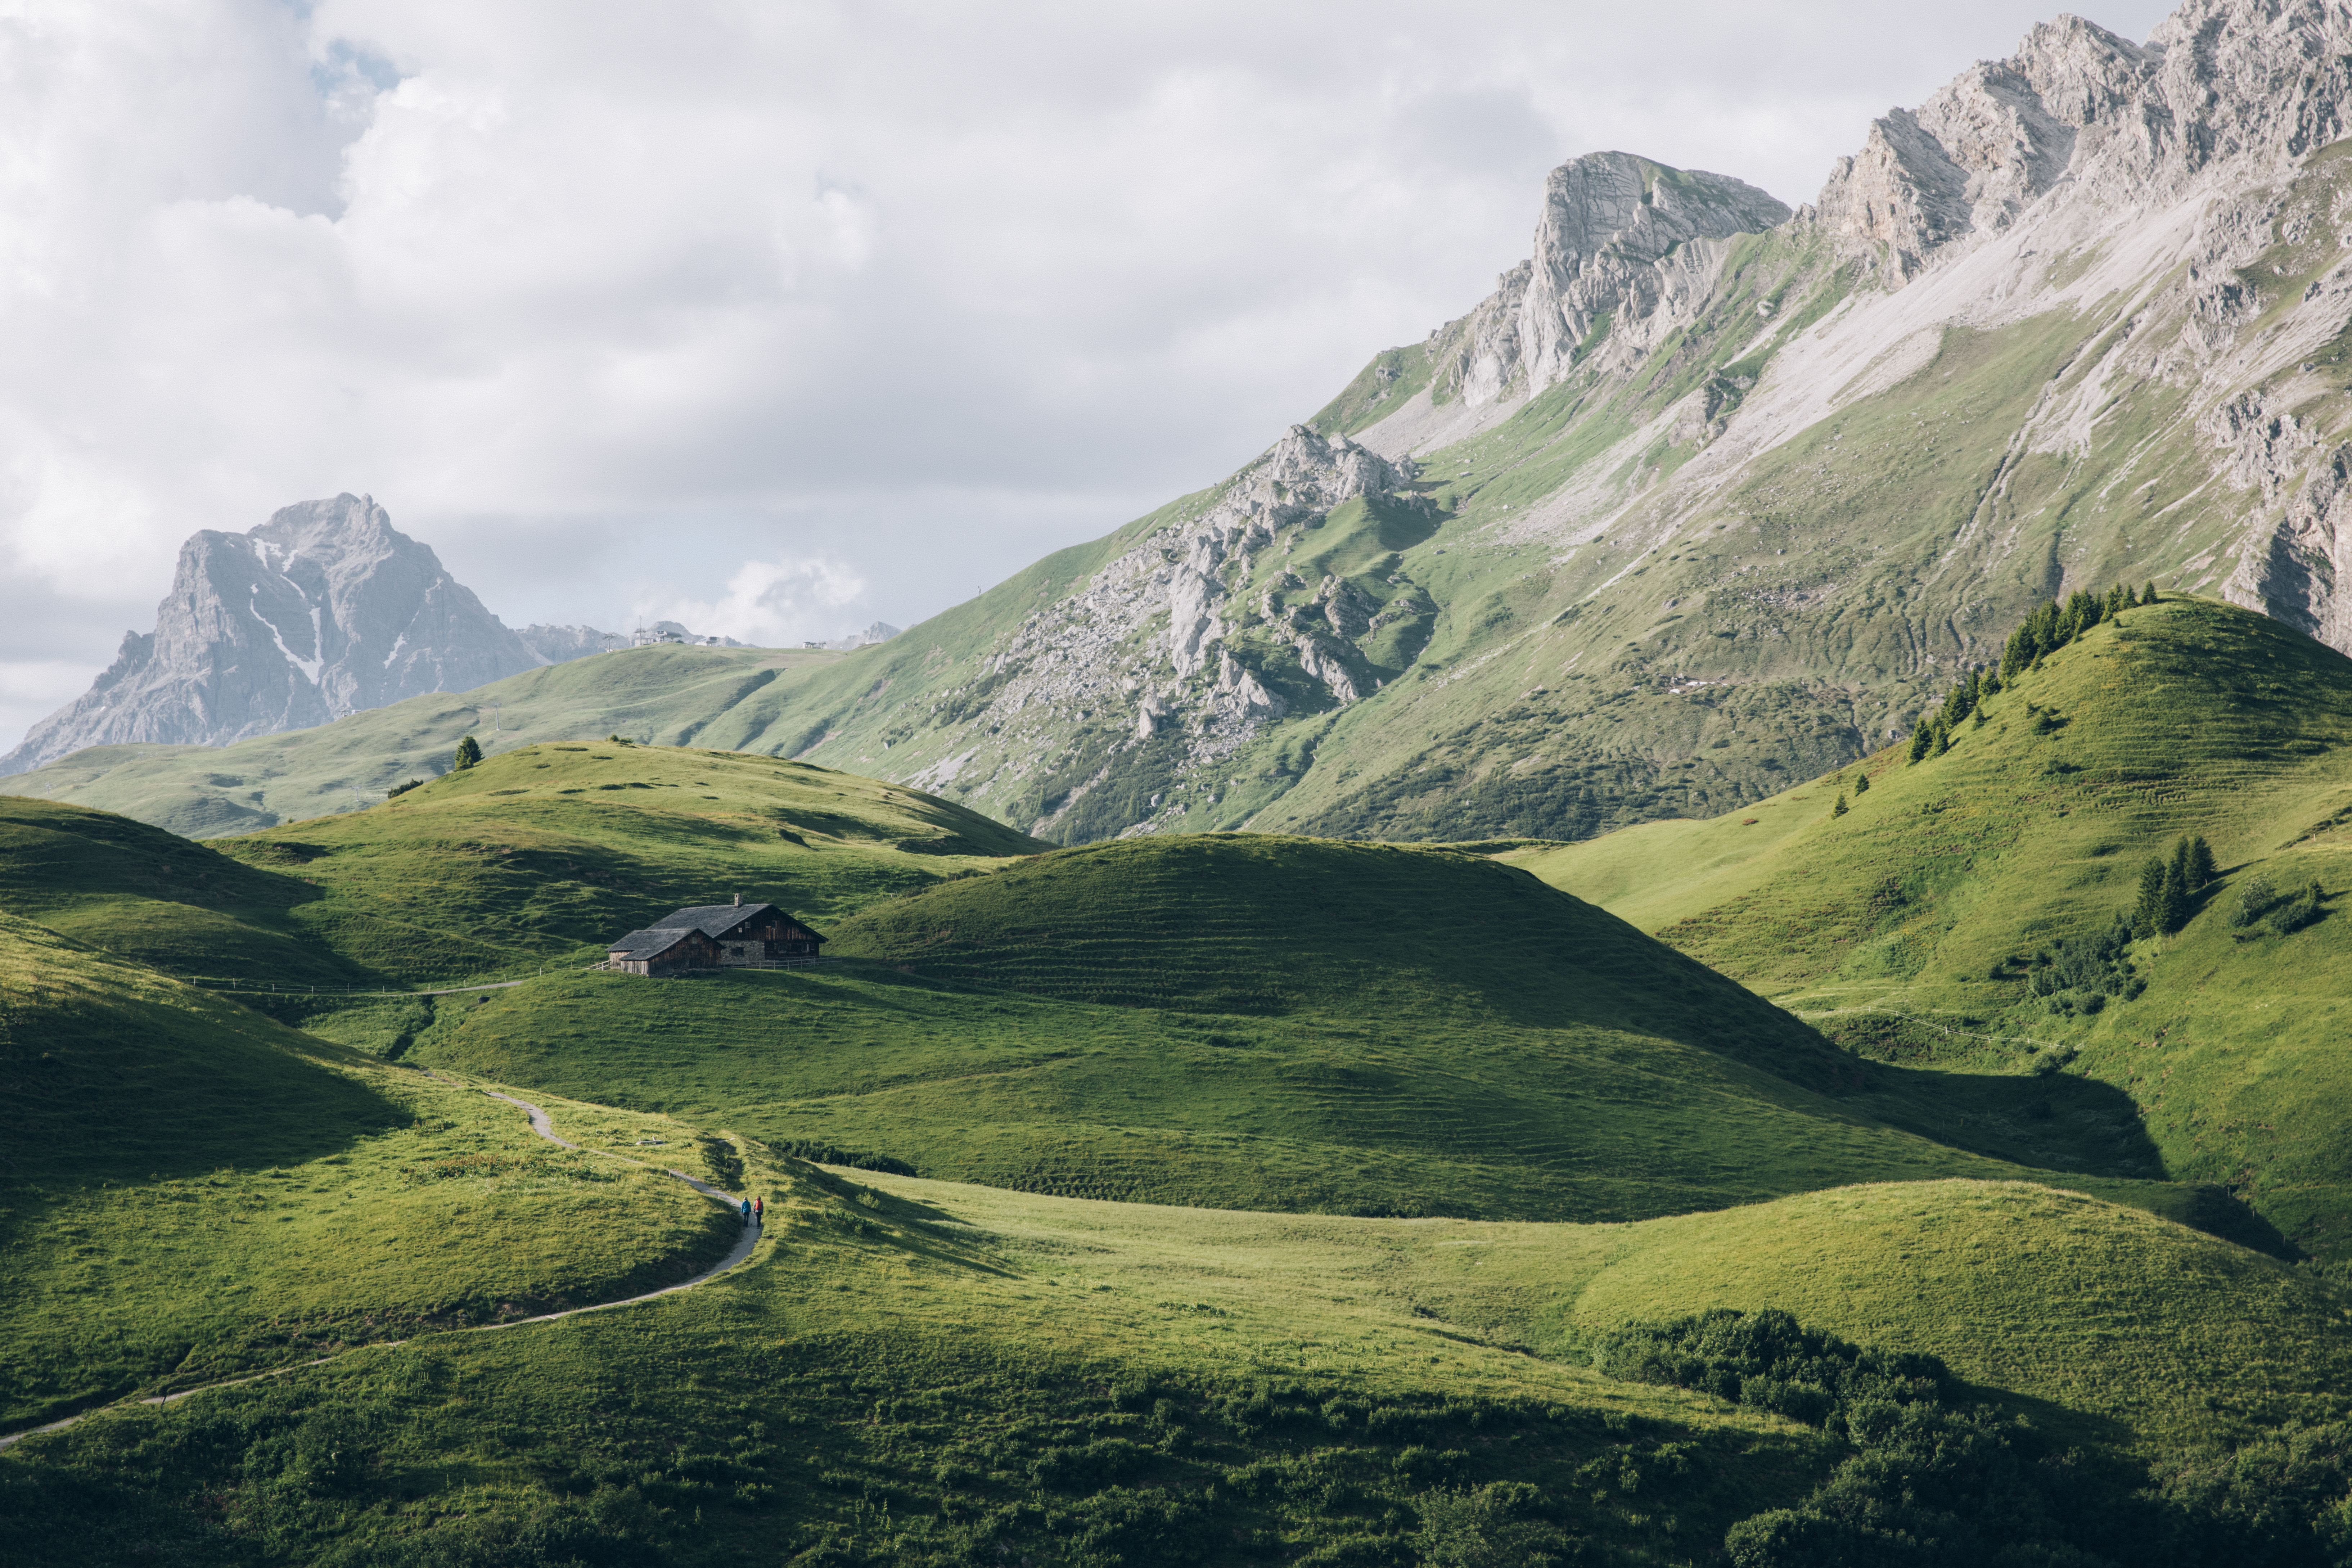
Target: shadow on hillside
pixel 2056 1121
pixel 2063 1422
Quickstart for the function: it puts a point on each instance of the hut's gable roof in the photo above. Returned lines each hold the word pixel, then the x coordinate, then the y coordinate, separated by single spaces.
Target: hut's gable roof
pixel 649 943
pixel 715 920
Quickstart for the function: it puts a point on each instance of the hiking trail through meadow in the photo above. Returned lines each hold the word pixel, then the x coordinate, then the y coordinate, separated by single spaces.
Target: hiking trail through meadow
pixel 542 1125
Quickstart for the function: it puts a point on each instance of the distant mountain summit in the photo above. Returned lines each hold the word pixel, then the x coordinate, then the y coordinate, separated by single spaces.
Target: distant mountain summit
pixel 322 611
pixel 1709 494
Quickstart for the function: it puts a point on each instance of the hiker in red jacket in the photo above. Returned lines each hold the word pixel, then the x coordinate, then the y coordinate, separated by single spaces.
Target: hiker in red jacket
pixel 759 1210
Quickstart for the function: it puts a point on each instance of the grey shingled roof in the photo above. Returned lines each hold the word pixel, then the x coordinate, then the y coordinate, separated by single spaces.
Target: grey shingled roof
pixel 712 918
pixel 649 943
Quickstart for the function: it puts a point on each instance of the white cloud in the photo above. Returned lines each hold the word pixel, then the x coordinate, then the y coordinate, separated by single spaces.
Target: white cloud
pixel 590 294
pixel 768 603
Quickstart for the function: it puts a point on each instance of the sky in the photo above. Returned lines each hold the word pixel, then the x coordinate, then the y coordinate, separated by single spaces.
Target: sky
pixel 777 318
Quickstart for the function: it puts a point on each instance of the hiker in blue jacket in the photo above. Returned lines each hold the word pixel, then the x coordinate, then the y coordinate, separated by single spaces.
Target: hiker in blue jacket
pixel 747 1211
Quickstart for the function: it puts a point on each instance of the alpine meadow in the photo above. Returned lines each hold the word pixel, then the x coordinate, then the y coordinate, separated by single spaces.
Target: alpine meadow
pixel 1704 924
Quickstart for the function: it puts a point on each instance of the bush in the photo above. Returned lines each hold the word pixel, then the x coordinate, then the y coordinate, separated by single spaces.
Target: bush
pixel 2299 909
pixel 400 789
pixel 2094 965
pixel 2254 901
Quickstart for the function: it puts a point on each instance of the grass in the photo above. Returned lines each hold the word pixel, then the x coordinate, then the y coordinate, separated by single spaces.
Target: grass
pixel 919 1372
pixel 1283 1024
pixel 1903 925
pixel 190 1190
pixel 539 855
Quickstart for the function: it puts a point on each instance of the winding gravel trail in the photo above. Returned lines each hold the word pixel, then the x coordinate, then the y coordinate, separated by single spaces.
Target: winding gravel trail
pixel 545 1128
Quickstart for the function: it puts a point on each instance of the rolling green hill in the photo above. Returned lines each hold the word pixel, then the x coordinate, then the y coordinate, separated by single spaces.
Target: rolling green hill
pixel 189 1190
pixel 538 855
pixel 1267 1023
pixel 917 1373
pixel 1908 927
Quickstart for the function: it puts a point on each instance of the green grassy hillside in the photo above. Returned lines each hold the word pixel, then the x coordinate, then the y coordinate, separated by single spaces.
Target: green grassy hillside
pixel 922 1374
pixel 162 899
pixel 188 1190
pixel 538 855
pixel 1907 927
pixel 1280 1024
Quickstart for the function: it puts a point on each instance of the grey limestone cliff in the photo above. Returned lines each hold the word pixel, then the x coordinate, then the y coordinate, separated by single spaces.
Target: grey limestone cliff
pixel 322 611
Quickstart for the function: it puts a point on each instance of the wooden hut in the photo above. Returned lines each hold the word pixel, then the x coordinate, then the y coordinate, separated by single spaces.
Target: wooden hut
pixel 663 951
pixel 715 936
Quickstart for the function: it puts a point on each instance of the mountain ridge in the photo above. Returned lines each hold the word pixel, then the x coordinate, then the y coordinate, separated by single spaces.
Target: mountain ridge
pixel 323 611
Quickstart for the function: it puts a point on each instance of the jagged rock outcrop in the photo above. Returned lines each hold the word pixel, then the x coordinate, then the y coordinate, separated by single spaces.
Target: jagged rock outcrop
pixel 321 611
pixel 1149 634
pixel 2087 312
pixel 1609 220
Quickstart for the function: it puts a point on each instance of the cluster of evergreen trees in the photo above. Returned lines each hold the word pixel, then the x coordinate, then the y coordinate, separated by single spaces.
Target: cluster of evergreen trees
pixel 2043 632
pixel 2055 625
pixel 2170 888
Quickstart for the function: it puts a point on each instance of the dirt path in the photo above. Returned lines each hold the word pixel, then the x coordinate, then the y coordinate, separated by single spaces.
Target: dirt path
pixel 545 1128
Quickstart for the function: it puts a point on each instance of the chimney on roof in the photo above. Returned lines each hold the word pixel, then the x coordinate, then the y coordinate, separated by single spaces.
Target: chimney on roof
pixel 738 901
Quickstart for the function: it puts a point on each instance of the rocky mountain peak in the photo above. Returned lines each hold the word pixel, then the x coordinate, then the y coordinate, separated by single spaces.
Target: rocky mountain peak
pixel 321 611
pixel 1604 246
pixel 2249 84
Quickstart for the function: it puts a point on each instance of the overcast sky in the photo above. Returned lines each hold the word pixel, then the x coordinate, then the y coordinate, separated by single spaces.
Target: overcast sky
pixel 776 317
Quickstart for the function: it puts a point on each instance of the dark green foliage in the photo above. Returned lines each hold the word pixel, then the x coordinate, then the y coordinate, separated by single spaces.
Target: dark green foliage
pixel 2201 868
pixel 2166 899
pixel 2148 907
pixel 2053 625
pixel 1499 1525
pixel 1923 735
pixel 400 789
pixel 1862 784
pixel 1841 809
pixel 2299 911
pixel 2278 1499
pixel 1932 1480
pixel 2254 901
pixel 2094 965
pixel 1767 1359
pixel 469 751
pixel 2147 595
pixel 2172 905
pixel 1943 738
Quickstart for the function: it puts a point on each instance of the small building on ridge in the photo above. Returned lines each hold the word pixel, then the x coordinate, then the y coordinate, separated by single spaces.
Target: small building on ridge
pixel 715 936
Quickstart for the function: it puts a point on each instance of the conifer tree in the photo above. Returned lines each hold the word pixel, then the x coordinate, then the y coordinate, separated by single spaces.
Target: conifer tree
pixel 2147 595
pixel 2147 910
pixel 1943 738
pixel 2172 898
pixel 1923 735
pixel 2200 868
pixel 2018 652
pixel 469 751
pixel 1839 808
pixel 2117 601
pixel 1861 783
